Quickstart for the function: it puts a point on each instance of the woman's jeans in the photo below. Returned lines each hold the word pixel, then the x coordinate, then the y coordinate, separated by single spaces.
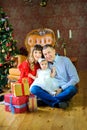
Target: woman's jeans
pixel 50 100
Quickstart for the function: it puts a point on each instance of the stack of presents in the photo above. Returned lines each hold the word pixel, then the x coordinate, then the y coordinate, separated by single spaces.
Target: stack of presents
pixel 20 100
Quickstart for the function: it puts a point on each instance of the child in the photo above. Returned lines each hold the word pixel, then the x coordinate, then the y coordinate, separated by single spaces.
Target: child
pixel 45 77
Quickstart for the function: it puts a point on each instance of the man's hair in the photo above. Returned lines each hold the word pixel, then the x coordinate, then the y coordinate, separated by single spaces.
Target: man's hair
pixel 48 45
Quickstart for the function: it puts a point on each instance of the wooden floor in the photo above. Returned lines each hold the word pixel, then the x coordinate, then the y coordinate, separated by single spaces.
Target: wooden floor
pixel 73 118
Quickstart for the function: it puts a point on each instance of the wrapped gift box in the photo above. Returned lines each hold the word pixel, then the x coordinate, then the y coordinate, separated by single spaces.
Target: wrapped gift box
pixel 32 103
pixel 16 104
pixel 20 89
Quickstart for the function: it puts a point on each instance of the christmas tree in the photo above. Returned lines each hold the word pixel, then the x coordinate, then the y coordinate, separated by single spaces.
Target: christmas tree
pixel 8 48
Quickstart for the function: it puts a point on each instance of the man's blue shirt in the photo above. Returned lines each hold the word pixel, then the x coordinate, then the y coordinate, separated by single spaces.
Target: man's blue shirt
pixel 66 72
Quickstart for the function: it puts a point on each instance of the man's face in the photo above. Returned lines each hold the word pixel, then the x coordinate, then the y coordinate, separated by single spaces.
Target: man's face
pixel 49 54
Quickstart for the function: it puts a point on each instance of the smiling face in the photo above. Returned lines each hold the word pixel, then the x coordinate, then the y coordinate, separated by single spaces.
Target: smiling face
pixel 44 65
pixel 37 54
pixel 49 53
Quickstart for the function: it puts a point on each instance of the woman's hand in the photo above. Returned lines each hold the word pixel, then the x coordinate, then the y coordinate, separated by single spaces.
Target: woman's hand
pixel 31 76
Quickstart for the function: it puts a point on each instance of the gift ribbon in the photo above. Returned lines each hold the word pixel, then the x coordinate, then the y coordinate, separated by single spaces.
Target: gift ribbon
pixel 23 92
pixel 12 87
pixel 12 107
pixel 33 103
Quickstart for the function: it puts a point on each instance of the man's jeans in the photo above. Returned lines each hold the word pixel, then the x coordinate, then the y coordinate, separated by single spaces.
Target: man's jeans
pixel 50 100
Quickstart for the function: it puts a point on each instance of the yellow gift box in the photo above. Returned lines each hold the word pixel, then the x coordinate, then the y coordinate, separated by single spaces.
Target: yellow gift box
pixel 20 89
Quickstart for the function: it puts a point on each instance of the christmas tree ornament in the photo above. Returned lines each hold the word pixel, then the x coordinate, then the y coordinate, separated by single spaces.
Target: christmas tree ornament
pixel 7 28
pixel 10 49
pixel 1 42
pixel 43 3
pixel 12 58
pixel 1 64
pixel 3 50
pixel 13 48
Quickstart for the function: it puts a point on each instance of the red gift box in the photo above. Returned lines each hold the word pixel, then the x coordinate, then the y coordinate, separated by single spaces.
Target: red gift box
pixel 16 104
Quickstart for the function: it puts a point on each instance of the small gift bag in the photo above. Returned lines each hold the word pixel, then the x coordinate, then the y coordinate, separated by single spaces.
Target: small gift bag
pixel 32 103
pixel 20 89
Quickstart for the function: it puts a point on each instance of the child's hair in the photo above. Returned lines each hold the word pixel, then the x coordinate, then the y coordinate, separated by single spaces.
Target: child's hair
pixel 31 58
pixel 41 59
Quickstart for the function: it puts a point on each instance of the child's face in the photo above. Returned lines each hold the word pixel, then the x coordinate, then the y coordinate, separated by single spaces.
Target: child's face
pixel 44 65
pixel 37 54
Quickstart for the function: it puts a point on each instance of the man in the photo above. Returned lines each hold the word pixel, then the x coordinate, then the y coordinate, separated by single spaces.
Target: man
pixel 67 78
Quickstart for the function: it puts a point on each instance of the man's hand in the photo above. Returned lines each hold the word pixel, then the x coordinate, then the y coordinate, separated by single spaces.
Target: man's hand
pixel 59 90
pixel 53 72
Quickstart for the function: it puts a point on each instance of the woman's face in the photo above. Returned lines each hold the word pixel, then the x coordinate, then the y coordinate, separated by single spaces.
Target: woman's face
pixel 37 54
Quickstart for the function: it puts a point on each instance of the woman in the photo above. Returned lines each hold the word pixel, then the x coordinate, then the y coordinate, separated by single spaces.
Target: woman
pixel 31 65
